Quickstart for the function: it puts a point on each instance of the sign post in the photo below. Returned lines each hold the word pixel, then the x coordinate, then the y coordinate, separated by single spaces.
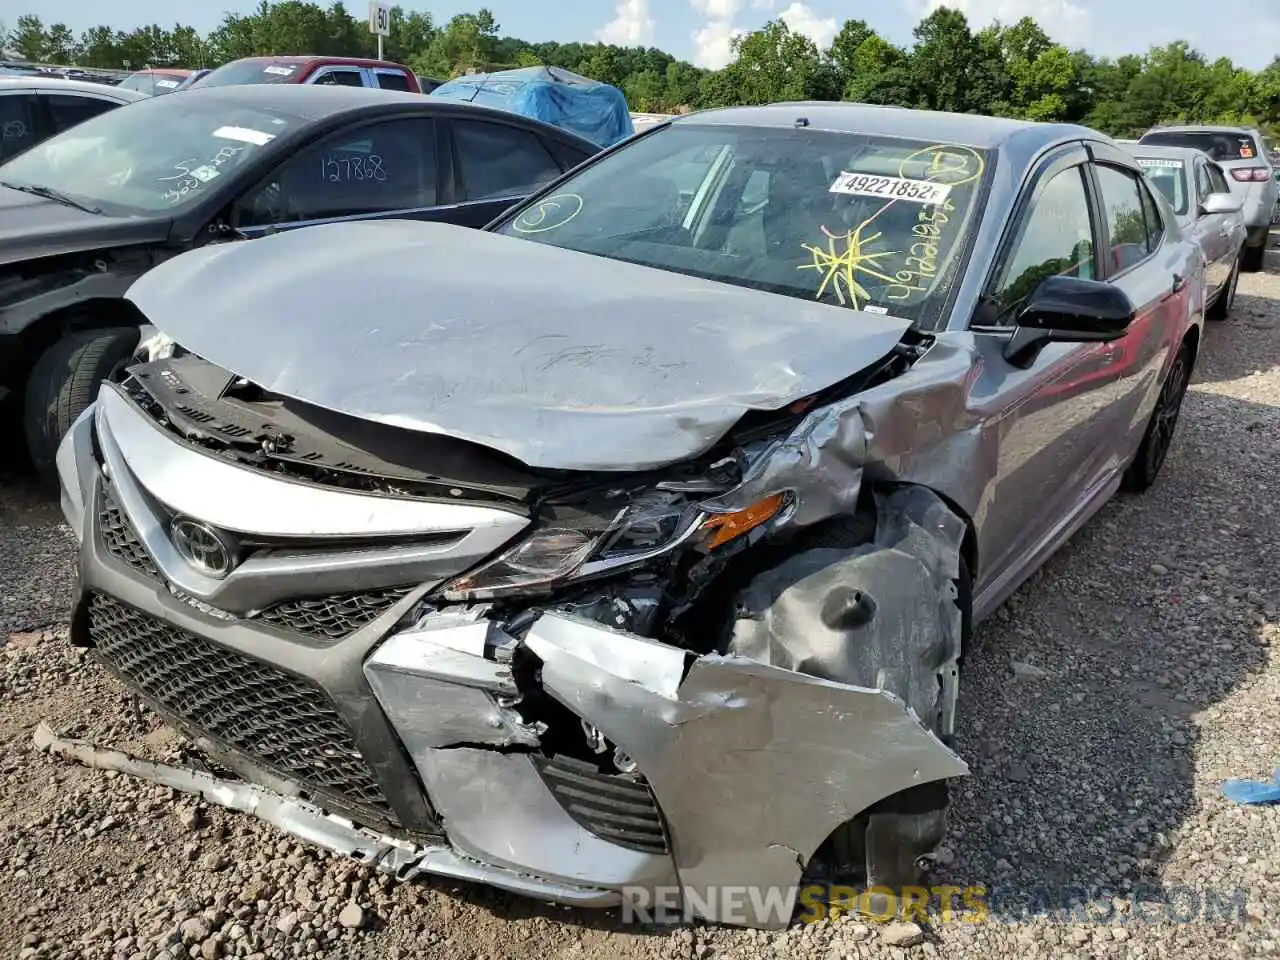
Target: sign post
pixel 379 21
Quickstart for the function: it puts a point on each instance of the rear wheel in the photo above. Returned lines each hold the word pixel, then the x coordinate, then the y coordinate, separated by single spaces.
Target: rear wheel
pixel 1155 445
pixel 1221 307
pixel 1251 259
pixel 63 382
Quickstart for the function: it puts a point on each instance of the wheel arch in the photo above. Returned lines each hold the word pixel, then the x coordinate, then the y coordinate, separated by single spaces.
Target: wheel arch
pixel 48 328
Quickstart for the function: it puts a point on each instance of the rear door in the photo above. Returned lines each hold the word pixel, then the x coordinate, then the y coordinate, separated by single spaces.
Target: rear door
pixel 495 165
pixel 1145 259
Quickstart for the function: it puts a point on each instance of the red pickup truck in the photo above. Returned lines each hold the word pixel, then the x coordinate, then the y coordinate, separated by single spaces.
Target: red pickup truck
pixel 341 71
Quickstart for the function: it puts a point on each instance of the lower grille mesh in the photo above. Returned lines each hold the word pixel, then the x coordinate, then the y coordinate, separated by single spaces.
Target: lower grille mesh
pixel 614 808
pixel 277 719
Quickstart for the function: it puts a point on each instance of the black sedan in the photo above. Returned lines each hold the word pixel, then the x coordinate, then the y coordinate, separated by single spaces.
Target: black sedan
pixel 85 213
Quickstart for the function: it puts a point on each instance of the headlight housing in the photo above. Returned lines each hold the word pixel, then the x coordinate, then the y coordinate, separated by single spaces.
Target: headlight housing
pixel 585 547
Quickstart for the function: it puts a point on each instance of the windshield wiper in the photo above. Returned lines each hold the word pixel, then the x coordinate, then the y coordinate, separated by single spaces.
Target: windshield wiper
pixel 51 194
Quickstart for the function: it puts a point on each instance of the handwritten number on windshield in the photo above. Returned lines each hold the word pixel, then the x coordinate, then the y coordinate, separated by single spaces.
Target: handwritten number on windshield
pixel 189 177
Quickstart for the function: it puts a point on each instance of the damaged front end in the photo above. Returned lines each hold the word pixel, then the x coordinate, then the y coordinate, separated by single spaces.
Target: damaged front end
pixel 575 687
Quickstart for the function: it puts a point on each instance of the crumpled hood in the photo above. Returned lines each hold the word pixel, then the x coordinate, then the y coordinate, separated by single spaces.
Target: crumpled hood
pixel 560 359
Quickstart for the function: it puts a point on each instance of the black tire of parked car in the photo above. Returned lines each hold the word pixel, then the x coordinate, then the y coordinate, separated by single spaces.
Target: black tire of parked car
pixel 1252 258
pixel 1220 309
pixel 63 382
pixel 1153 450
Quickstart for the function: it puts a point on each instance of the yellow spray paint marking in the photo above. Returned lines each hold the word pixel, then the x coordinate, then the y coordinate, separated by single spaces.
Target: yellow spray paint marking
pixel 841 268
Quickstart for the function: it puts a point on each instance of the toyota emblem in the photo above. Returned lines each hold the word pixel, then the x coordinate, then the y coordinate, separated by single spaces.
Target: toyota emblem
pixel 202 547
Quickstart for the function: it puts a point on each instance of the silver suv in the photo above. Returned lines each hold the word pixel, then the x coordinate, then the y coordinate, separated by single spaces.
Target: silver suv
pixel 1244 154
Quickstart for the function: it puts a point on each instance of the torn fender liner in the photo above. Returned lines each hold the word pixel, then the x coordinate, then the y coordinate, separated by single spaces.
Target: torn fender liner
pixel 402 859
pixel 883 614
pixel 736 733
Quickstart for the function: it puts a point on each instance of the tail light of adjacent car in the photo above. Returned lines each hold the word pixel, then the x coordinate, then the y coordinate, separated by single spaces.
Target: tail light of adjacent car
pixel 1251 174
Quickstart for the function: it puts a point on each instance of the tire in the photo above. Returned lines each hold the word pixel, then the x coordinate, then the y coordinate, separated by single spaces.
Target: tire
pixel 1220 309
pixel 63 382
pixel 1153 450
pixel 1252 258
pixel 884 844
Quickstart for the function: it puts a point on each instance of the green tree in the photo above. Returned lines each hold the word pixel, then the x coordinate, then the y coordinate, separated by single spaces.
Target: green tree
pixel 28 38
pixel 771 64
pixel 942 61
pixel 60 44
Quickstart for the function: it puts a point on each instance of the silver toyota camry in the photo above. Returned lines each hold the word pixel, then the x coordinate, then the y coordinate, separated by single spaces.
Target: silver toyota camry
pixel 633 543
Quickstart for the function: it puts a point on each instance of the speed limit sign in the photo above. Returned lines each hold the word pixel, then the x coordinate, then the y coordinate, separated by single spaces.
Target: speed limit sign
pixel 380 18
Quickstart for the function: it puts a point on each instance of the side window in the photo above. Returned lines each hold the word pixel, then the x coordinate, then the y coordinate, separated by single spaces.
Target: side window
pixel 568 157
pixel 1203 186
pixel 392 80
pixel 374 169
pixel 1218 179
pixel 497 160
pixel 340 78
pixel 66 111
pixel 17 123
pixel 1126 224
pixel 1151 212
pixel 1055 238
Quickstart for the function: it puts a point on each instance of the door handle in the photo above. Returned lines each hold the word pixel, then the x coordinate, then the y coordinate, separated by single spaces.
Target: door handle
pixel 1179 281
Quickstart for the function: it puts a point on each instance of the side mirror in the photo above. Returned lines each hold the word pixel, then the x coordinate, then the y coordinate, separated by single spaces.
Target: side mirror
pixel 1220 203
pixel 1069 310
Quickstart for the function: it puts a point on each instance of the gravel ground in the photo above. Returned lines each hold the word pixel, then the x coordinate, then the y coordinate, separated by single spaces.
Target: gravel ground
pixel 1101 712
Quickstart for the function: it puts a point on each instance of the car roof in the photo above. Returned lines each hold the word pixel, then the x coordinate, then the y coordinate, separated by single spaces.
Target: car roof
pixel 316 58
pixel 1201 128
pixel 1022 139
pixel 1160 151
pixel 165 71
pixel 320 101
pixel 58 84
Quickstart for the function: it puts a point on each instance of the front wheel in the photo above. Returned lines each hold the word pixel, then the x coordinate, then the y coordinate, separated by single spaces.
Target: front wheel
pixel 1155 444
pixel 63 382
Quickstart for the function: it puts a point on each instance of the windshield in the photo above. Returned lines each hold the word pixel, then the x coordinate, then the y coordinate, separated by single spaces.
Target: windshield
pixel 1169 177
pixel 870 223
pixel 153 83
pixel 251 71
pixel 154 156
pixel 1223 147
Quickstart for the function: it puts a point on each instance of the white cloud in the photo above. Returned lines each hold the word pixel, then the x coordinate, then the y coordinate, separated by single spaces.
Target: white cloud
pixel 632 27
pixel 1063 20
pixel 801 19
pixel 713 41
pixel 713 44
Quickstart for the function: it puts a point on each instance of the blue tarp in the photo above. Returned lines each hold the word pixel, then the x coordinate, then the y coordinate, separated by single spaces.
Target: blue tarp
pixel 588 108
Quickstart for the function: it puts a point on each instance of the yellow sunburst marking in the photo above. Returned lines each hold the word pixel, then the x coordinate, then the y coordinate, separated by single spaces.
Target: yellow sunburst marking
pixel 842 267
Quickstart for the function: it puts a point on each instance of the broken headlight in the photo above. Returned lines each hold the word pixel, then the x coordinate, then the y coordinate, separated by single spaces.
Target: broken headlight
pixel 650 526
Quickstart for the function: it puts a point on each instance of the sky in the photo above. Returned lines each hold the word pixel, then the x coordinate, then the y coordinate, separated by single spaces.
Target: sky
pixel 700 30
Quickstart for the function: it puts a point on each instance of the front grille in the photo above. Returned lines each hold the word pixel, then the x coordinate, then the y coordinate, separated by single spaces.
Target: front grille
pixel 615 808
pixel 119 537
pixel 277 719
pixel 332 618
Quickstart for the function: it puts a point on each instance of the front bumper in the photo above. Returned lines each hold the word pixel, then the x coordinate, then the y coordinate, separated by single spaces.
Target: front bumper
pixel 400 731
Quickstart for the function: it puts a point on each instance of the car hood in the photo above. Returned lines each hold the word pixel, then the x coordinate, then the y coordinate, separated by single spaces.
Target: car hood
pixel 560 359
pixel 32 227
